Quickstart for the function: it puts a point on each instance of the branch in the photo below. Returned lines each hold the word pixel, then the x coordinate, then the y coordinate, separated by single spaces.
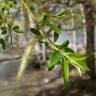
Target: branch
pixel 28 10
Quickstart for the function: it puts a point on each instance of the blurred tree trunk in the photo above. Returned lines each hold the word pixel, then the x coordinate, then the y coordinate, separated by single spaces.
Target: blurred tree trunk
pixel 90 48
pixel 89 8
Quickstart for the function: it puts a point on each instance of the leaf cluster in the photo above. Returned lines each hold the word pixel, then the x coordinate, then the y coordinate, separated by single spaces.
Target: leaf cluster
pixel 61 54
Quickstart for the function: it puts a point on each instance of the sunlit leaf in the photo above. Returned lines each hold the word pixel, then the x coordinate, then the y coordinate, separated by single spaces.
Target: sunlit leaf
pixel 55 57
pixel 80 63
pixel 65 71
pixel 77 56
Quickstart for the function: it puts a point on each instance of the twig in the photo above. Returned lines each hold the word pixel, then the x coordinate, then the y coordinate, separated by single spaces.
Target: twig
pixel 33 17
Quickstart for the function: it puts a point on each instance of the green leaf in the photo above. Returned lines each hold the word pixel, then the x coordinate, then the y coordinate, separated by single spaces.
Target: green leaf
pixel 35 31
pixel 64 44
pixel 2 42
pixel 77 56
pixel 63 13
pixel 54 59
pixel 79 70
pixel 43 18
pixel 82 64
pixel 79 63
pixel 67 49
pixel 12 5
pixel 65 71
pixel 16 29
pixel 55 36
pixel 4 6
pixel 4 32
pixel 54 28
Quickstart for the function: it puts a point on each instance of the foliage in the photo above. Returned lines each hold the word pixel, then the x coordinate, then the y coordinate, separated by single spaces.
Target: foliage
pixel 61 54
pixel 7 8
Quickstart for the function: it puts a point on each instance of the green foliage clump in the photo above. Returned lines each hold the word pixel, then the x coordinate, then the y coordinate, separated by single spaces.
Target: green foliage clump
pixel 61 54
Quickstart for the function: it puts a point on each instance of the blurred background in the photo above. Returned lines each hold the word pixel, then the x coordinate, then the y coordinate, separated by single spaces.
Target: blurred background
pixel 79 29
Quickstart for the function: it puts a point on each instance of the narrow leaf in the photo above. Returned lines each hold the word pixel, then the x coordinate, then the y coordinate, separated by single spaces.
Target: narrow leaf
pixel 67 49
pixel 77 56
pixel 65 70
pixel 2 42
pixel 55 36
pixel 63 13
pixel 54 59
pixel 81 64
pixel 64 44
pixel 35 31
pixel 42 18
pixel 45 17
pixel 79 70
